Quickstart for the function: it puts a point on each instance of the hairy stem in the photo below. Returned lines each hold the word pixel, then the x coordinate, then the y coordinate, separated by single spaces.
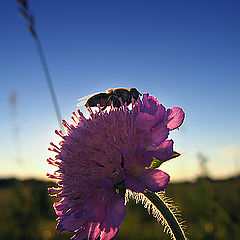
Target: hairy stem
pixel 167 214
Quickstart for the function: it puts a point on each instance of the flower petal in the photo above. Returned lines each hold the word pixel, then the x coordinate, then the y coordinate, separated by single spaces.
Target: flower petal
pixel 116 211
pixel 112 150
pixel 94 231
pixel 160 114
pixel 95 207
pixel 70 223
pixel 134 183
pixel 88 231
pixel 110 234
pixel 109 211
pixel 175 117
pixel 155 180
pixel 162 152
pixel 158 135
pixel 150 104
pixel 144 121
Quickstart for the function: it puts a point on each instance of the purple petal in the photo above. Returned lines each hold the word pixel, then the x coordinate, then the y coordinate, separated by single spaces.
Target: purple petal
pixel 70 223
pixel 109 210
pixel 80 234
pixel 155 180
pixel 116 211
pixel 175 117
pixel 95 207
pixel 150 104
pixel 133 183
pixel 162 152
pixel 158 135
pixel 160 114
pixel 144 121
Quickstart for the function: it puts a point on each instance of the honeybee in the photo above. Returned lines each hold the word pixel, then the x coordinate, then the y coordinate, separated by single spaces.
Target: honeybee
pixel 117 97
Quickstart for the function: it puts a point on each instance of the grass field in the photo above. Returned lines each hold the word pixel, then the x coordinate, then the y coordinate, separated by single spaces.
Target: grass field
pixel 211 210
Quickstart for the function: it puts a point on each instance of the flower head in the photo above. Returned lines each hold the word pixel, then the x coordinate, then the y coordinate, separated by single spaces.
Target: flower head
pixel 100 157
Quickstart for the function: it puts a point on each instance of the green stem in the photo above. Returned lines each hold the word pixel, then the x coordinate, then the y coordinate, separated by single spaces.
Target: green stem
pixel 167 214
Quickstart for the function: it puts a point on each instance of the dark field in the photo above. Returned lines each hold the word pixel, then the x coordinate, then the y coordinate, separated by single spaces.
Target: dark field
pixel 211 210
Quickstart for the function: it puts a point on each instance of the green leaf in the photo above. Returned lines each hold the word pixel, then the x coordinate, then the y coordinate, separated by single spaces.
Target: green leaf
pixel 156 162
pixel 175 154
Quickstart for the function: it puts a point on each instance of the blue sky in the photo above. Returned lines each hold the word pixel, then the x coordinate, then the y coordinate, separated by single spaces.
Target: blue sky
pixel 186 53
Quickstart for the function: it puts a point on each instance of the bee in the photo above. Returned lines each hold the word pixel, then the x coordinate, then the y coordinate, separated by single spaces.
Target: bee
pixel 117 97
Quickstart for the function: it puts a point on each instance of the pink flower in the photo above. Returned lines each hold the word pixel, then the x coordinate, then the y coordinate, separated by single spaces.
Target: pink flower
pixel 104 155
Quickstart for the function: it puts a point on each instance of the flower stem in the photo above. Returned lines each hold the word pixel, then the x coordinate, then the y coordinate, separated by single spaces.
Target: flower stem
pixel 167 214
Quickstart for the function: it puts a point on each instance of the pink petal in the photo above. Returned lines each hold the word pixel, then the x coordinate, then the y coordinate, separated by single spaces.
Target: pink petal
pixel 58 207
pixel 93 231
pixel 89 230
pixel 109 235
pixel 175 117
pixel 155 180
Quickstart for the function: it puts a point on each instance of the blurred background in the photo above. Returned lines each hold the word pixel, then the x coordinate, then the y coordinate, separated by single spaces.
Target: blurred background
pixel 185 53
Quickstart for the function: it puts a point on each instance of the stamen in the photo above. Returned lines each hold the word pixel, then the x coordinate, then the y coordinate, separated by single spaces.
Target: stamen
pixel 65 124
pixel 60 134
pixel 99 107
pixel 72 117
pixel 52 144
pixel 76 116
pixel 54 150
pixel 53 162
pixel 80 113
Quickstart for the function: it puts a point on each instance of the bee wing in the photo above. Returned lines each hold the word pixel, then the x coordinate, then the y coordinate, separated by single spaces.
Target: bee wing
pixel 82 101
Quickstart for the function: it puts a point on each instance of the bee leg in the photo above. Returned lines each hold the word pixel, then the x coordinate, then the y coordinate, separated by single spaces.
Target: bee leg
pixel 117 102
pixel 108 102
pixel 120 100
pixel 103 108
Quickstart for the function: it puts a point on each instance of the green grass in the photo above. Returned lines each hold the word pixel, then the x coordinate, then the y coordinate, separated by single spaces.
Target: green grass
pixel 211 210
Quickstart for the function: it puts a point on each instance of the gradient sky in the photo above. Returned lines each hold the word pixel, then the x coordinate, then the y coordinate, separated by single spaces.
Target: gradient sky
pixel 186 53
